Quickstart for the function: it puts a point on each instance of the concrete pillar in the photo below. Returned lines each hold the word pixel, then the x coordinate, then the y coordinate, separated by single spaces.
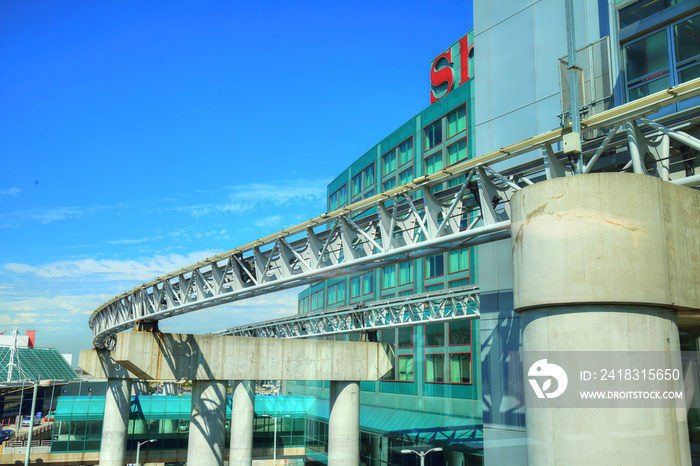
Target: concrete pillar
pixel 170 388
pixel 140 388
pixel 115 422
pixel 344 424
pixel 605 262
pixel 207 423
pixel 242 413
pixel 454 458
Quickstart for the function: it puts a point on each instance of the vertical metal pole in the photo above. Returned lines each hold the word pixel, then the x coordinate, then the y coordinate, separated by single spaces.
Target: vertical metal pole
pixel 274 449
pixel 138 451
pixel 573 78
pixel 19 412
pixel 31 424
pixel 53 387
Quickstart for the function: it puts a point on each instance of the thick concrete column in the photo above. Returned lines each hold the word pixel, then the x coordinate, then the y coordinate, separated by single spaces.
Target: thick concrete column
pixel 207 423
pixel 242 413
pixel 605 262
pixel 139 388
pixel 344 424
pixel 115 423
pixel 170 388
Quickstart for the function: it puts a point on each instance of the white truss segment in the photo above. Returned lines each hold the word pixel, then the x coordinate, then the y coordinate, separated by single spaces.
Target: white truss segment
pixel 462 303
pixel 400 224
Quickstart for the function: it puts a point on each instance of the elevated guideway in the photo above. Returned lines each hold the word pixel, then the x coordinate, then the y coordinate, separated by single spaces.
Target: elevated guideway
pixel 412 221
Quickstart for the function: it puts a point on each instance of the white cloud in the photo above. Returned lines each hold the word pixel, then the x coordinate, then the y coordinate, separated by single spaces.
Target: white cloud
pixel 272 221
pixel 144 269
pixel 246 197
pixel 9 192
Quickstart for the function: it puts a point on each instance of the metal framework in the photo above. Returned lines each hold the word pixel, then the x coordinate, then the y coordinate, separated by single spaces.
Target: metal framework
pixel 410 221
pixel 458 303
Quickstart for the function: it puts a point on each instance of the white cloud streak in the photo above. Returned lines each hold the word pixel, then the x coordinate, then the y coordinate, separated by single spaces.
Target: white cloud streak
pixel 9 192
pixel 144 269
pixel 246 197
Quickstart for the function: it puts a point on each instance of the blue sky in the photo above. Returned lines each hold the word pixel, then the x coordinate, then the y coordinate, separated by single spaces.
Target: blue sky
pixel 140 137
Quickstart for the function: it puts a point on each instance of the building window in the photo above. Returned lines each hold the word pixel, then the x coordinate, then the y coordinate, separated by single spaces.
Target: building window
pixel 460 368
pixel 389 184
pixel 304 305
pixel 434 266
pixel 663 58
pixel 457 152
pixel 435 334
pixel 362 285
pixel 355 286
pixel 406 273
pixel 433 163
pixel 643 9
pixel 388 276
pixel 405 368
pixel 460 332
pixel 406 176
pixel 317 301
pixel 456 121
pixel 435 368
pixel 336 294
pixel 405 337
pixel 389 162
pixel 458 260
pixel 338 199
pixel 363 181
pixel 433 134
pixel 406 152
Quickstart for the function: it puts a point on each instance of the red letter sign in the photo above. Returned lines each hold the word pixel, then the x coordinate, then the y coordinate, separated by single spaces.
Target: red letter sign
pixel 441 76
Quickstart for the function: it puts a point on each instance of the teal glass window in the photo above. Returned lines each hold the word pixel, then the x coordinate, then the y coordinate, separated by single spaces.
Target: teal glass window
pixel 457 152
pixel 458 260
pixel 389 184
pixel 355 286
pixel 644 9
pixel 435 368
pixel 406 176
pixel 405 368
pixel 456 121
pixel 460 332
pixel 388 276
pixel 406 337
pixel 433 163
pixel 434 266
pixel 389 162
pixel 433 134
pixel 460 368
pixel 405 273
pixel 406 152
pixel 435 334
pixel 687 41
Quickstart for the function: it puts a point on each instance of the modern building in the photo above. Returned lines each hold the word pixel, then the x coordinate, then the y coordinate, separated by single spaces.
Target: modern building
pixel 453 386
pixel 516 86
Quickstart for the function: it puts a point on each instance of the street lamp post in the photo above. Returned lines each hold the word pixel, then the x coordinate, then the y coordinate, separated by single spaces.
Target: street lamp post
pixel 422 454
pixel 138 449
pixel 274 441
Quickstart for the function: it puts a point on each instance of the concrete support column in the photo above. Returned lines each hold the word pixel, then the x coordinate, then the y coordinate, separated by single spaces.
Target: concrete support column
pixel 242 413
pixel 207 423
pixel 170 388
pixel 454 458
pixel 605 262
pixel 344 424
pixel 139 388
pixel 115 422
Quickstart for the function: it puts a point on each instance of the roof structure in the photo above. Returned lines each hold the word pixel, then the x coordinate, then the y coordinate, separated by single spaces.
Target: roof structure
pixel 36 364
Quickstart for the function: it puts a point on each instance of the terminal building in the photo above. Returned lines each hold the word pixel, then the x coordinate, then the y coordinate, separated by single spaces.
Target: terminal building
pixel 498 89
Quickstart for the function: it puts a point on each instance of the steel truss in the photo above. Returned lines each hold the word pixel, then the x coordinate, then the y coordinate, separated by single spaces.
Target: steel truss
pixel 462 303
pixel 409 221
